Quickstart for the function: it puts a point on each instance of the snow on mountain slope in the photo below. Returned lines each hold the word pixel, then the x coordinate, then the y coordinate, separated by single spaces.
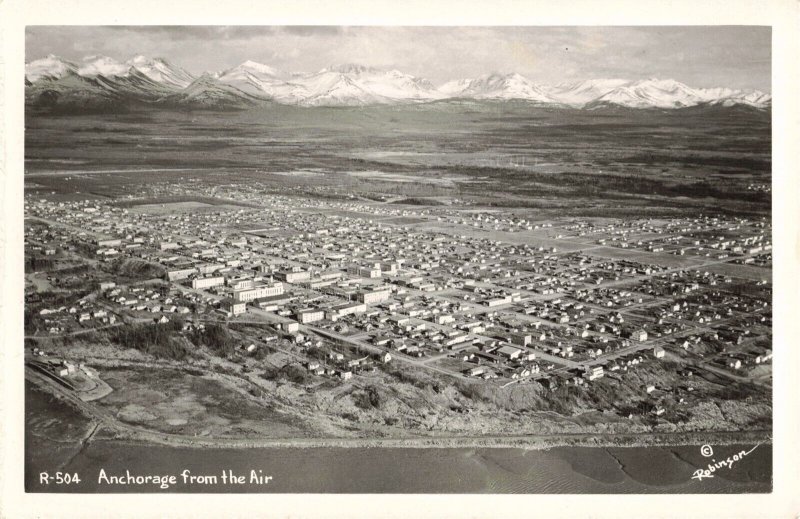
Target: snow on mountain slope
pixel 207 92
pixel 134 83
pixel 755 98
pixel 730 97
pixel 157 69
pixel 254 67
pixel 668 93
pixel 51 67
pixel 455 87
pixel 351 84
pixel 150 79
pixel 249 72
pixel 396 85
pixel 71 93
pixel 581 92
pixel 498 86
pixel 263 81
pixel 161 71
pixel 651 93
pixel 333 88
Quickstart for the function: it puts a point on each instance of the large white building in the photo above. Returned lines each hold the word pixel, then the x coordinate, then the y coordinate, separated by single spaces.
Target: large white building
pixel 214 281
pixel 241 283
pixel 250 294
pixel 374 296
pixel 309 315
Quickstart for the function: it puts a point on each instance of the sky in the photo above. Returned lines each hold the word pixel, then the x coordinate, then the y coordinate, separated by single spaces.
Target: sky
pixel 700 56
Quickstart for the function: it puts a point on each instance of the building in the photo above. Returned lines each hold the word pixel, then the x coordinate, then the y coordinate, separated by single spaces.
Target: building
pixel 208 282
pixel 290 326
pixel 241 283
pixel 476 372
pixel 389 267
pixel 309 315
pixel 509 352
pixel 234 308
pixel 209 268
pixel 370 272
pixel 293 276
pixel 250 294
pixel 444 319
pixel 336 312
pixel 458 339
pixel 520 339
pixel 639 335
pixel 658 352
pixel 273 302
pixel 374 296
pixel 318 283
pixel 594 372
pixel 498 301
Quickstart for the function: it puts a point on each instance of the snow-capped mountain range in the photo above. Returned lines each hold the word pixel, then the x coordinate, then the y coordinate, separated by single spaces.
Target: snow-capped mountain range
pixel 54 80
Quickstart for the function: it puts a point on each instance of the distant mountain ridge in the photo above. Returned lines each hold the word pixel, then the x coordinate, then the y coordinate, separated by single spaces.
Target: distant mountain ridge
pixel 53 81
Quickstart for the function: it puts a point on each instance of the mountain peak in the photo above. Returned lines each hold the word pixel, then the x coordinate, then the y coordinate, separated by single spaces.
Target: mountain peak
pixel 255 66
pixel 355 84
pixel 667 82
pixel 160 71
pixel 50 67
pixel 499 86
pixel 141 59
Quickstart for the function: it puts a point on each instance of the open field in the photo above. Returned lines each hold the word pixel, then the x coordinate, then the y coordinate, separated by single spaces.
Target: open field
pixel 179 402
pixel 611 163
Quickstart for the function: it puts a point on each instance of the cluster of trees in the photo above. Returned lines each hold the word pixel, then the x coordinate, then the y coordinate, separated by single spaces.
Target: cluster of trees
pixel 38 264
pixel 416 379
pixel 137 269
pixel 591 184
pixel 291 372
pixel 215 337
pixel 158 340
pixel 370 398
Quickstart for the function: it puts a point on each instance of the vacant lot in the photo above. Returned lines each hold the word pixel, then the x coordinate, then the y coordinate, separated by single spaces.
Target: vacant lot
pixel 193 404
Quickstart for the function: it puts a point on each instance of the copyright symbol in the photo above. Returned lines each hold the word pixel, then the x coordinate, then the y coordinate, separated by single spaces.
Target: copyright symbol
pixel 706 451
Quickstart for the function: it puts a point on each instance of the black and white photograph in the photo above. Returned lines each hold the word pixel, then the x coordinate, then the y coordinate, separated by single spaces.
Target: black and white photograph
pixel 398 259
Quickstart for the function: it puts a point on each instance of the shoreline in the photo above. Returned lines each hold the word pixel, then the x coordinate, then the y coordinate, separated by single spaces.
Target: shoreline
pixel 111 429
pixel 535 442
